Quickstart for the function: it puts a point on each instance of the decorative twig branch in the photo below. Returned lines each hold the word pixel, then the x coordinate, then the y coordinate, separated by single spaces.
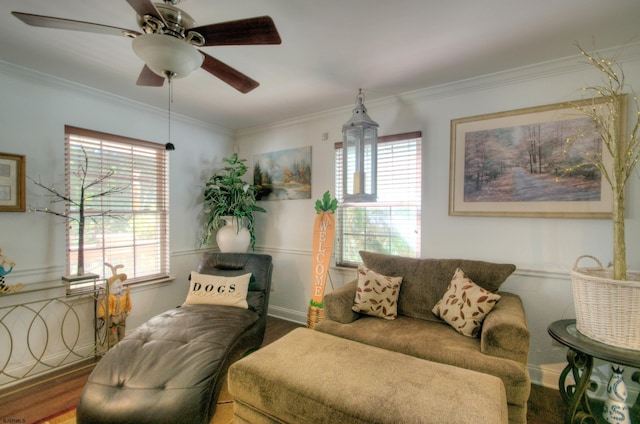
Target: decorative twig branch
pixel 86 195
pixel 608 117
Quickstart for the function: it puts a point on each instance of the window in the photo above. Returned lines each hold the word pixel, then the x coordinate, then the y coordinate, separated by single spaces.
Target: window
pixel 128 225
pixel 391 224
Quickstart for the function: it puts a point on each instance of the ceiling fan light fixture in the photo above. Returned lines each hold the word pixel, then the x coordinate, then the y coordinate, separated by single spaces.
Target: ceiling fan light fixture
pixel 166 55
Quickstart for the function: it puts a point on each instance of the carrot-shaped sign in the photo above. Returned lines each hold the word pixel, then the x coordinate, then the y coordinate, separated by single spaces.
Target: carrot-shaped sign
pixel 324 228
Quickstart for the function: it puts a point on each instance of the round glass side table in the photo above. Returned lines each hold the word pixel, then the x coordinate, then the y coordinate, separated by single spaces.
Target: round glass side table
pixel 582 350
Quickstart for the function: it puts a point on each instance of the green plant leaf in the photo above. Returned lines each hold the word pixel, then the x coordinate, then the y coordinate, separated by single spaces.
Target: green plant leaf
pixel 316 304
pixel 327 204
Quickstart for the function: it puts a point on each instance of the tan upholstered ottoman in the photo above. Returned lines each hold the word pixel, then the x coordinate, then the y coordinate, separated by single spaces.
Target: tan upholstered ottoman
pixel 313 377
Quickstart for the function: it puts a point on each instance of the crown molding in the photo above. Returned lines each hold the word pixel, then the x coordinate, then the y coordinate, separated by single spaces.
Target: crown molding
pixel 31 76
pixel 536 71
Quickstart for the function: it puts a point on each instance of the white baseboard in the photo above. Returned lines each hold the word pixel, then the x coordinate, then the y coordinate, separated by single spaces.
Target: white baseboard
pixel 288 314
pixel 546 375
pixel 25 371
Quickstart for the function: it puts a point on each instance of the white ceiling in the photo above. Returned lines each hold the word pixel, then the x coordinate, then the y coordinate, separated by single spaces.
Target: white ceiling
pixel 329 49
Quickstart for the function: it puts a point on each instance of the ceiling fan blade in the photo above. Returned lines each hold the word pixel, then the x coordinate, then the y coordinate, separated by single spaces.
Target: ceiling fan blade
pixel 260 30
pixel 226 73
pixel 145 7
pixel 149 78
pixel 60 23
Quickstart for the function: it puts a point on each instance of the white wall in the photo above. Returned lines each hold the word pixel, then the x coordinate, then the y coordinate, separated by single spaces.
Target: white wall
pixel 34 109
pixel 543 249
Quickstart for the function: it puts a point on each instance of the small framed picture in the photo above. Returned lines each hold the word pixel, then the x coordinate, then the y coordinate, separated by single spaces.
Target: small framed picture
pixel 12 183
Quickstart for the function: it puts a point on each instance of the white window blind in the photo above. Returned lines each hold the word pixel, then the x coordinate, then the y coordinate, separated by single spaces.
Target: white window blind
pixel 130 224
pixel 391 224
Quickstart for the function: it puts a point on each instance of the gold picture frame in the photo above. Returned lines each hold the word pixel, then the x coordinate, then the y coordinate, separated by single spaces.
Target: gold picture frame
pixel 12 182
pixel 515 163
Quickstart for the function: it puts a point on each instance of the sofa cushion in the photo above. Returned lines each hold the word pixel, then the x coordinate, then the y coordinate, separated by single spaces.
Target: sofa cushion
pixel 218 290
pixel 424 281
pixel 376 294
pixel 465 304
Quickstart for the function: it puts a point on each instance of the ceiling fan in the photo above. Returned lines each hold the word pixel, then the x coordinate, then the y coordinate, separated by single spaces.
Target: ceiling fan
pixel 169 41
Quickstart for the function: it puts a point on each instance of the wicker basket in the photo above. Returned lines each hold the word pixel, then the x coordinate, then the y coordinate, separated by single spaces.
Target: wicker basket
pixel 314 316
pixel 607 310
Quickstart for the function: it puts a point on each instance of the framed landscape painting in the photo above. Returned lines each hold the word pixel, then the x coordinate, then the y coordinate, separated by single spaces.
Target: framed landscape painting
pixel 519 163
pixel 283 175
pixel 12 183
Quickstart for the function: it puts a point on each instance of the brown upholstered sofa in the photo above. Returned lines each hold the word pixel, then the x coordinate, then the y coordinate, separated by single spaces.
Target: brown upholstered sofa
pixel 501 349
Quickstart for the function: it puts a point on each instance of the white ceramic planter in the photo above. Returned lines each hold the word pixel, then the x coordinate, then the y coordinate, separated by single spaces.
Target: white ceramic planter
pixel 231 239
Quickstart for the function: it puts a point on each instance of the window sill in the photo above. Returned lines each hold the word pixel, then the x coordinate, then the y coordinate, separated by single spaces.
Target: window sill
pixel 152 282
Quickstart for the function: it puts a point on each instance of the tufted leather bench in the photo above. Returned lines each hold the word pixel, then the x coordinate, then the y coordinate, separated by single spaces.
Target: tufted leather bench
pixel 171 369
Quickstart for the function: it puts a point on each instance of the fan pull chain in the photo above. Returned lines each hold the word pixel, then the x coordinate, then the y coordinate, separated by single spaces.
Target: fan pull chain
pixel 169 107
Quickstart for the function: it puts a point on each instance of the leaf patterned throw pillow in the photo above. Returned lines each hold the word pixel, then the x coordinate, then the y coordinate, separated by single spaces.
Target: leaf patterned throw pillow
pixel 465 305
pixel 376 294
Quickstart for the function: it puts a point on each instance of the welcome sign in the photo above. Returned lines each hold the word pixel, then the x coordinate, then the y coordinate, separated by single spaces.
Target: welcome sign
pixel 324 228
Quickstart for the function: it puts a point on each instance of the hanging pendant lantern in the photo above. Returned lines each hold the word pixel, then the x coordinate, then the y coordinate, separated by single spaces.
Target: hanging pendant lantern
pixel 359 155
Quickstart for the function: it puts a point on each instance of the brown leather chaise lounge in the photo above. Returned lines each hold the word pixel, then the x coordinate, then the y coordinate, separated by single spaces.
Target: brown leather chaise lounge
pixel 171 369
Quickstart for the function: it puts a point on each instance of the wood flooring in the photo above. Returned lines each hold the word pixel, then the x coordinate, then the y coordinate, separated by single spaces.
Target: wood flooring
pixel 38 399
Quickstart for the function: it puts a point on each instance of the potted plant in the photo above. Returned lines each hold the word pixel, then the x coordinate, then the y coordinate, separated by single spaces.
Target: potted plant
pixel 600 295
pixel 227 198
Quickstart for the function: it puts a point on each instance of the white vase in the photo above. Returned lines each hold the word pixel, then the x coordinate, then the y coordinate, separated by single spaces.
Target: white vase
pixel 615 409
pixel 231 239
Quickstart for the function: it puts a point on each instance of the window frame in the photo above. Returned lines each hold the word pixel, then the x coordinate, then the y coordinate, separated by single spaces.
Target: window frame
pixel 146 205
pixel 406 205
